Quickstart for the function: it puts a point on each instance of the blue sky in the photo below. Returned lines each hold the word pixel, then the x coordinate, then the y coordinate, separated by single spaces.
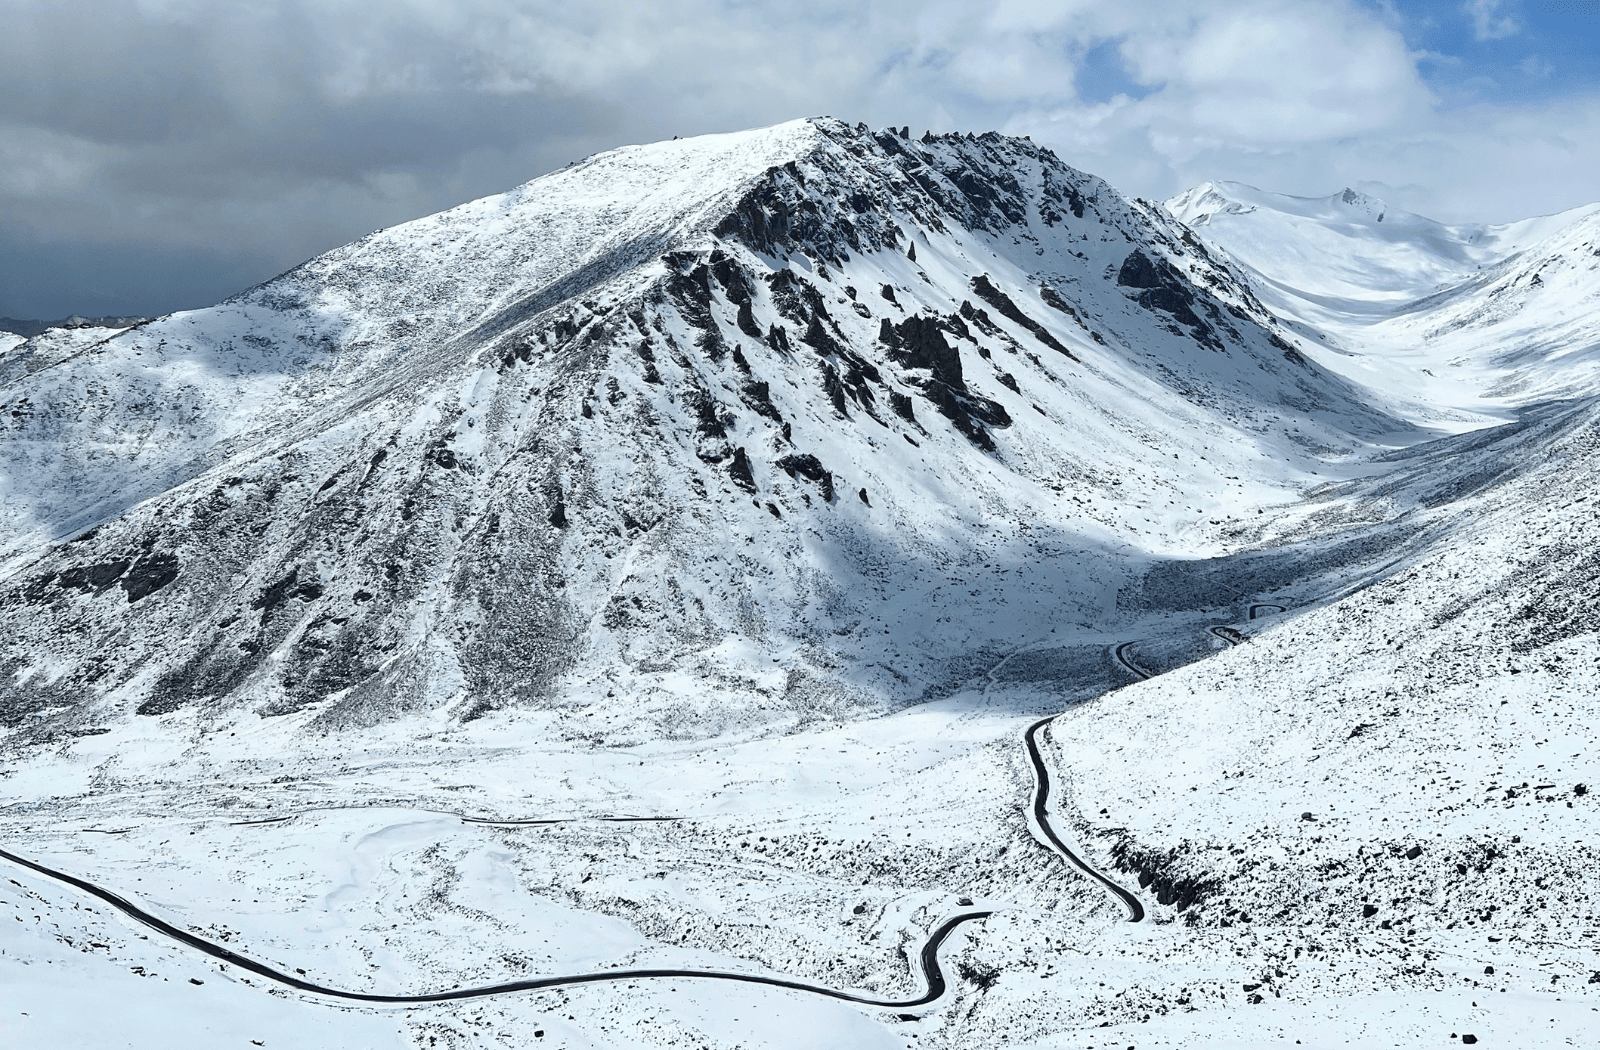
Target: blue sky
pixel 1515 50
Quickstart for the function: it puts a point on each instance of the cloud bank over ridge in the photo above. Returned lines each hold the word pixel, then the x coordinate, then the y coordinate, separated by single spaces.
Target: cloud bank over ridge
pixel 162 153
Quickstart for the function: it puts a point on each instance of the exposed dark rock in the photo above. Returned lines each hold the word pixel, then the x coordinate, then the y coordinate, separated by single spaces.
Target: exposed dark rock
pixel 778 339
pixel 1162 288
pixel 734 279
pixel 739 470
pixel 1075 201
pixel 966 412
pixel 707 423
pixel 93 577
pixel 807 466
pixel 1008 309
pixel 1161 870
pixel 888 293
pixel 796 300
pixel 918 342
pixel 277 594
pixel 150 574
pixel 834 389
pixel 981 977
pixel 760 219
pixel 820 339
pixel 691 294
pixel 758 396
pixel 981 320
pixel 648 355
pixel 1139 272
pixel 901 405
pixel 1053 299
pixel 957 327
pixel 747 321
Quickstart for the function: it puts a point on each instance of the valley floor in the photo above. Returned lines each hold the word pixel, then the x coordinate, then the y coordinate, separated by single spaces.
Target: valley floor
pixel 826 856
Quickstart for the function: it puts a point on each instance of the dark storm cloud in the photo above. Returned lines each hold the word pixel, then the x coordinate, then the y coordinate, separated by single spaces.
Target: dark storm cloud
pixel 156 154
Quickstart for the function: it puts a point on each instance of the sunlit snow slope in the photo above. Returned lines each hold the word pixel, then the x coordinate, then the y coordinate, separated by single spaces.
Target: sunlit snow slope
pixel 770 425
pixel 1453 325
pixel 658 566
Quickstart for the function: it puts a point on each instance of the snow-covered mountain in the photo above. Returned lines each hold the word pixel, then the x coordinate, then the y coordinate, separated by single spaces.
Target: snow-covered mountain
pixel 29 328
pixel 1351 246
pixel 1451 325
pixel 666 565
pixel 760 426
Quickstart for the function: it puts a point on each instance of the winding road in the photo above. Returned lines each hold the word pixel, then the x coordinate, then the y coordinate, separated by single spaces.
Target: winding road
pixel 1121 653
pixel 935 983
pixel 1040 824
pixel 1042 828
pixel 932 973
pixel 1227 634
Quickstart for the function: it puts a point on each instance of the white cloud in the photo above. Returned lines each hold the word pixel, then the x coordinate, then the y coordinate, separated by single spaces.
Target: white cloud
pixel 1487 21
pixel 183 123
pixel 1270 73
pixel 1534 66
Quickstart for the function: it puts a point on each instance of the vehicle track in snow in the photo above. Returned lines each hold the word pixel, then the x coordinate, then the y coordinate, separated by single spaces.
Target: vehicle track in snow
pixel 928 959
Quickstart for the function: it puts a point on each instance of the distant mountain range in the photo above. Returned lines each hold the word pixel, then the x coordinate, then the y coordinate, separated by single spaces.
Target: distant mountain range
pixel 32 328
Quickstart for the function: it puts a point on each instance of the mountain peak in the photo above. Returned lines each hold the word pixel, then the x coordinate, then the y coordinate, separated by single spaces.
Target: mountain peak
pixel 1364 204
pixel 533 441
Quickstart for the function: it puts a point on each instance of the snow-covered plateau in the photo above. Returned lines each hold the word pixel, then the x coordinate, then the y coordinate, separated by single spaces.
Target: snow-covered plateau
pixel 815 586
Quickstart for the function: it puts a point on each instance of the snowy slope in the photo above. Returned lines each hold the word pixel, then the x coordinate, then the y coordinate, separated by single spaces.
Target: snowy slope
pixel 768 487
pixel 1523 331
pixel 724 425
pixel 1350 246
pixel 1428 316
